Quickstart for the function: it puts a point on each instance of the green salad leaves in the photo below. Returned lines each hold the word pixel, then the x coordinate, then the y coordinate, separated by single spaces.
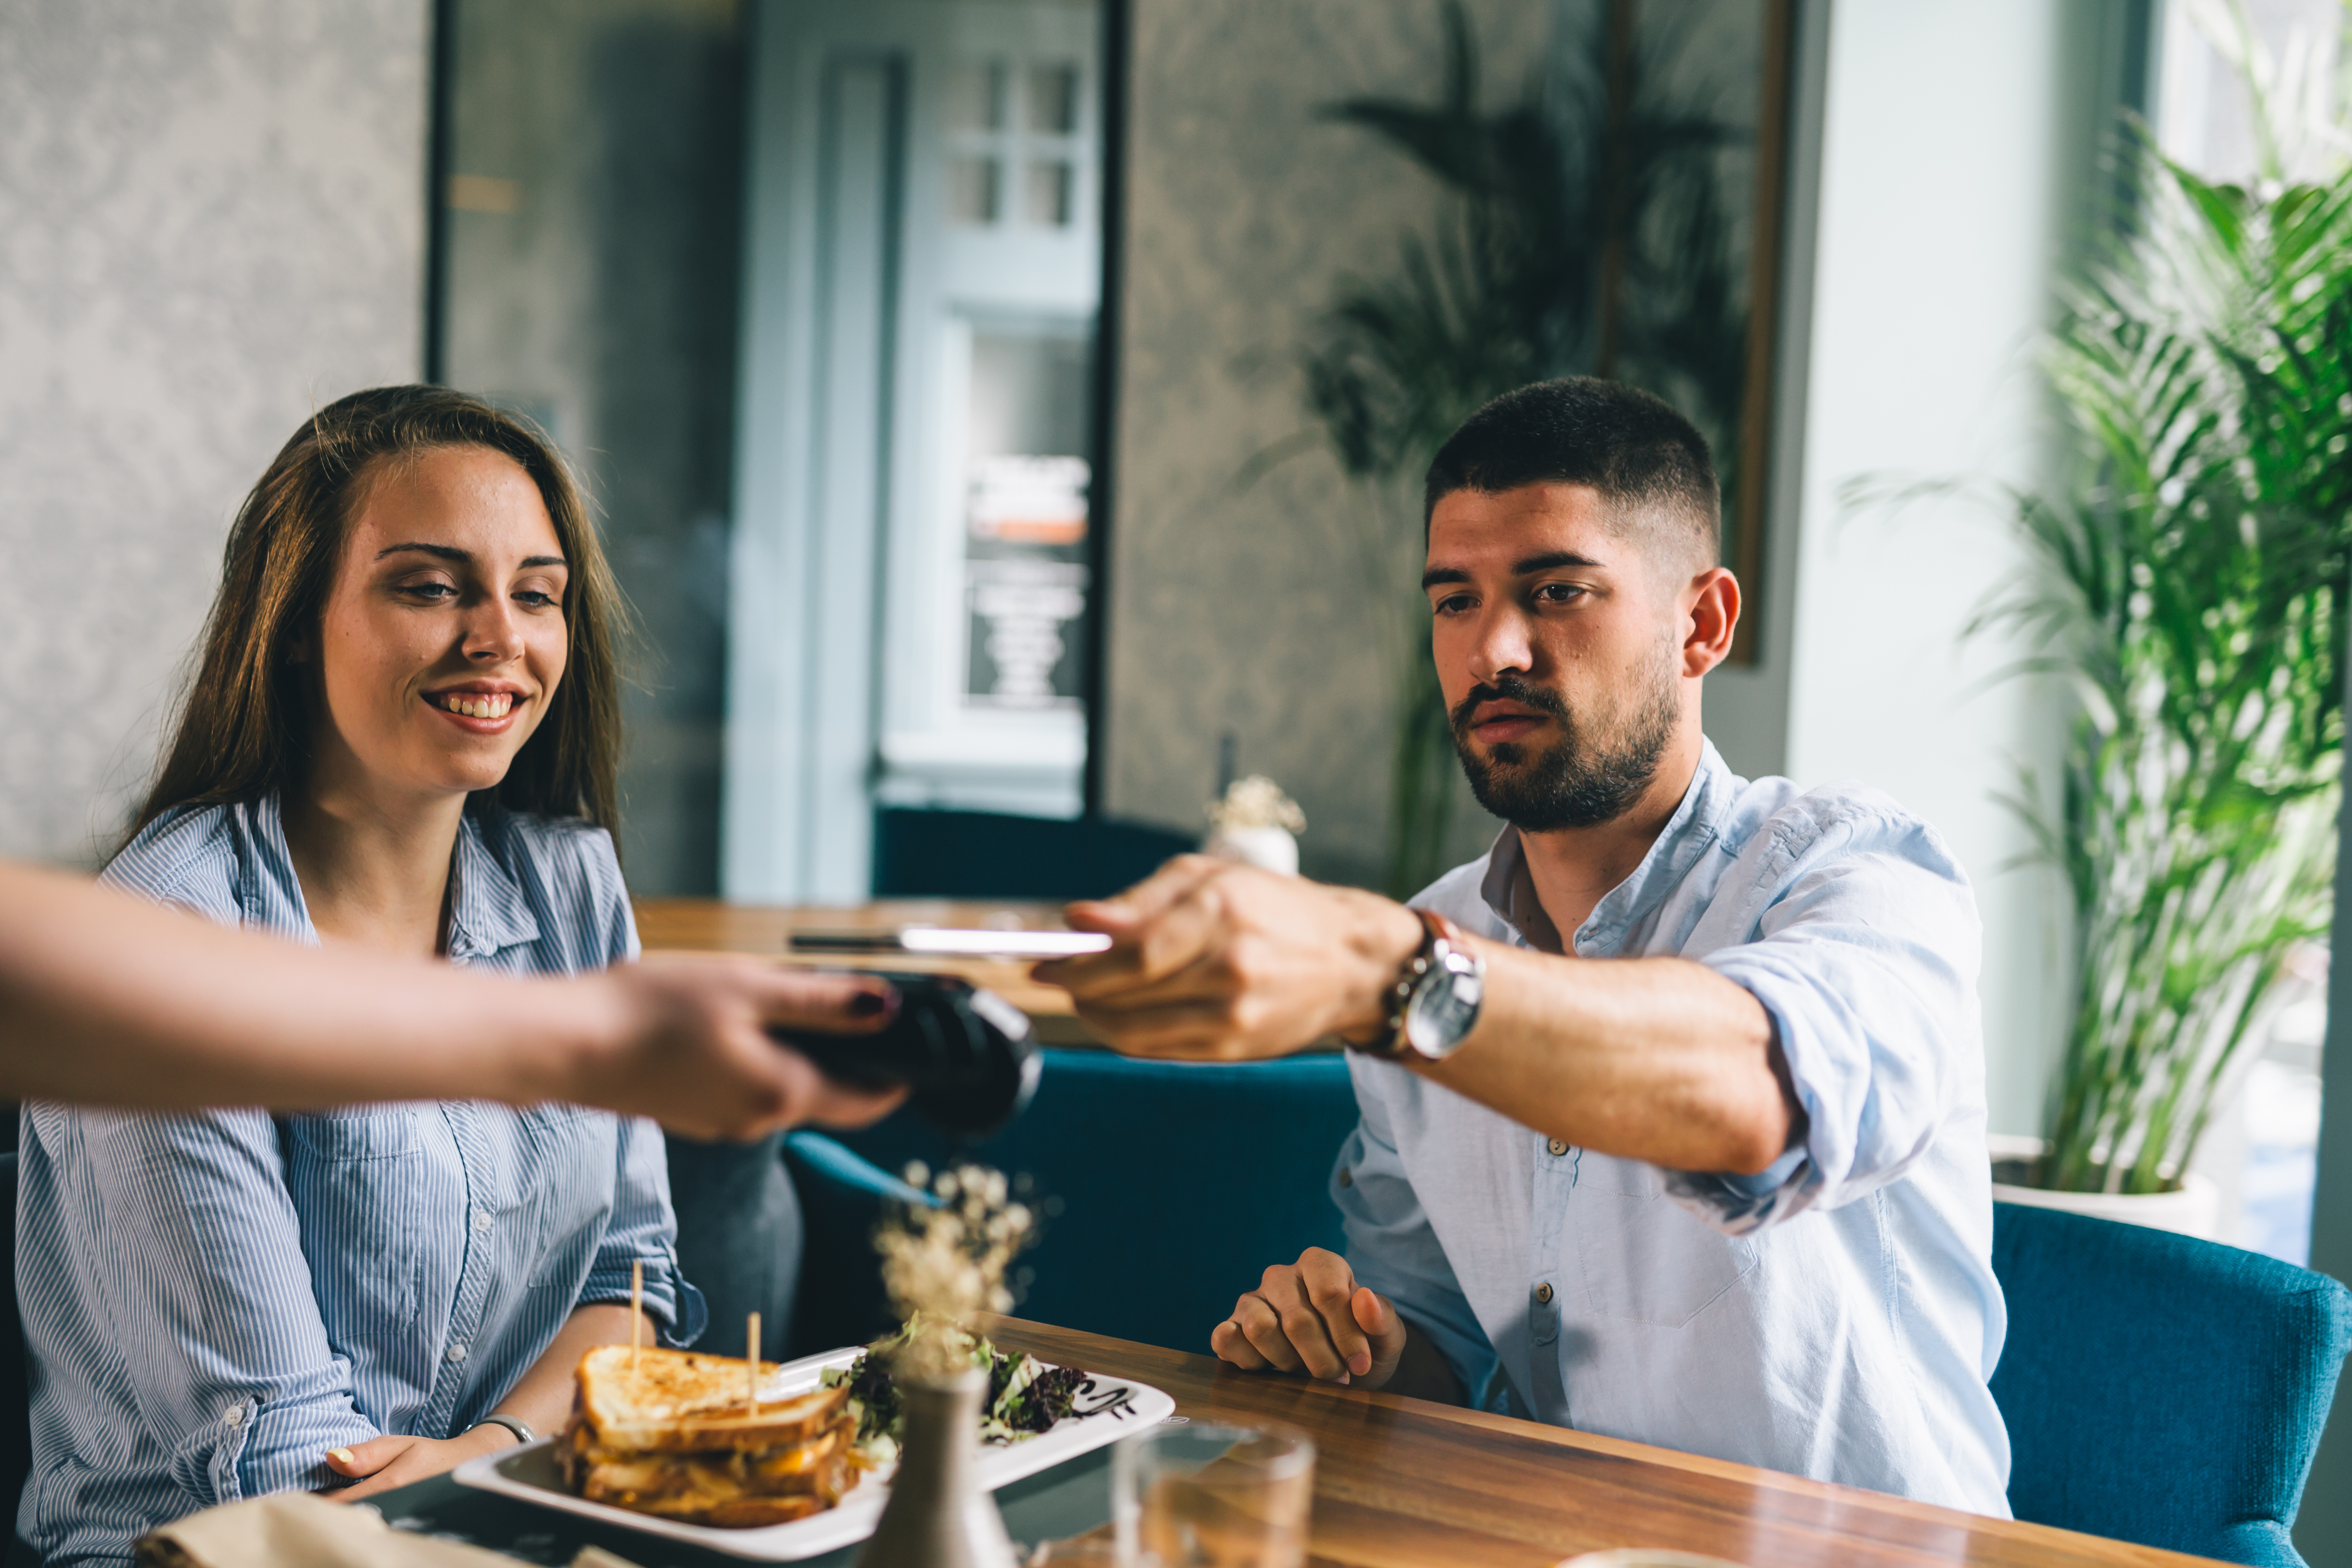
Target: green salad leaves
pixel 1026 1397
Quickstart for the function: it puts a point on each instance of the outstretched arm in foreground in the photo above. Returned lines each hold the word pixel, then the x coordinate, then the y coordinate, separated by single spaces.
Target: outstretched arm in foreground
pixel 107 999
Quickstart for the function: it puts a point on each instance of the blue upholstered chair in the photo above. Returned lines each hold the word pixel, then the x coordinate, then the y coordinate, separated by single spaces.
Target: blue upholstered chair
pixel 2160 1389
pixel 1178 1184
pixel 922 854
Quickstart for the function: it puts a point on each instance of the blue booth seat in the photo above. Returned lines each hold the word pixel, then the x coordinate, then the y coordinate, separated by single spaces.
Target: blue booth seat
pixel 2160 1389
pixel 925 854
pixel 1168 1187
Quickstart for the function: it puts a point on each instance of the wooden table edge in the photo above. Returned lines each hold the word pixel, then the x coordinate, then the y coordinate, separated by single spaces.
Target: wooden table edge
pixel 1040 1338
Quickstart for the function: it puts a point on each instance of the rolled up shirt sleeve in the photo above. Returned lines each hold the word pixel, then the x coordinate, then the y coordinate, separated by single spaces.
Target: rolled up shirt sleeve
pixel 644 1230
pixel 1865 964
pixel 1393 1250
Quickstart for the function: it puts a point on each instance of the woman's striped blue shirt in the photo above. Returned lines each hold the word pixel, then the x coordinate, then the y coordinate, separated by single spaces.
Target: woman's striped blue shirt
pixel 211 1303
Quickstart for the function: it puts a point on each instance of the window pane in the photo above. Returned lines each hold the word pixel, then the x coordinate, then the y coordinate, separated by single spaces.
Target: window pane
pixel 971 190
pixel 1028 395
pixel 975 96
pixel 1047 195
pixel 1026 517
pixel 589 283
pixel 1054 98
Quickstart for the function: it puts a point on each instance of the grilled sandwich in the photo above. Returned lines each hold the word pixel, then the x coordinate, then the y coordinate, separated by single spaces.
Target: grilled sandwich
pixel 679 1437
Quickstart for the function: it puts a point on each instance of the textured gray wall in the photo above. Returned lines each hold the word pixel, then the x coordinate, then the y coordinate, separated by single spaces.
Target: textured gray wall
pixel 211 221
pixel 1251 611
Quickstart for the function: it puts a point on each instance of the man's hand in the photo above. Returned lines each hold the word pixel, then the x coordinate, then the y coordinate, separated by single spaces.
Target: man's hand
pixel 380 1464
pixel 1312 1316
pixel 1219 961
pixel 682 1039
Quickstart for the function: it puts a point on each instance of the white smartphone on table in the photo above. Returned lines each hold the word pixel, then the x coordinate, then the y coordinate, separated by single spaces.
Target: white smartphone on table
pixel 954 941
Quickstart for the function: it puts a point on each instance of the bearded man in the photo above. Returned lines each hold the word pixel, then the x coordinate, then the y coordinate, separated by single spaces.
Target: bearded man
pixel 1672 1105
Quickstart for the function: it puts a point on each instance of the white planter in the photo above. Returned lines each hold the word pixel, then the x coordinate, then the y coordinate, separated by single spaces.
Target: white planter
pixel 2194 1210
pixel 1268 849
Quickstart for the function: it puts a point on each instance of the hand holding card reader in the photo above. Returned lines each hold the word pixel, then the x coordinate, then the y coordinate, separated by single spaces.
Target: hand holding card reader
pixel 965 1054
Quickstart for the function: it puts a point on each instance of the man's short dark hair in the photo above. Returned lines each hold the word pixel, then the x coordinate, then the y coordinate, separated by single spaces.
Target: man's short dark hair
pixel 1647 461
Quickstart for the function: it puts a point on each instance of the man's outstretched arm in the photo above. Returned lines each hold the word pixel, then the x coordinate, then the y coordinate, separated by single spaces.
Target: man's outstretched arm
pixel 1658 1059
pixel 107 999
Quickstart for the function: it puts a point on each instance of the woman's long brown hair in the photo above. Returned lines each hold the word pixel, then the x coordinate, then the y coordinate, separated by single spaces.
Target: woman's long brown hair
pixel 244 727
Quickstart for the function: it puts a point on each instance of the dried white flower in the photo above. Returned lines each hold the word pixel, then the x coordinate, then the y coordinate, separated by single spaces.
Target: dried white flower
pixel 944 1262
pixel 1256 802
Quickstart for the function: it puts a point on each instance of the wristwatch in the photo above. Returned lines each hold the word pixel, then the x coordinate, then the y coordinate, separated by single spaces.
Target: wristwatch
pixel 1433 1005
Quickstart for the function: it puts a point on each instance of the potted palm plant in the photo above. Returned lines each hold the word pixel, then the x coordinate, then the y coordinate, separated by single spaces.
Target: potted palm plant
pixel 2187 582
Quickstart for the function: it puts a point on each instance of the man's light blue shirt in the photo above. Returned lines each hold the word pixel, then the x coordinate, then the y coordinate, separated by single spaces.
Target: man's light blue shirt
pixel 1835 1317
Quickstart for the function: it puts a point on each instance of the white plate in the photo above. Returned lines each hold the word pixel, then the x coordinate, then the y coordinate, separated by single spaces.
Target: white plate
pixel 528 1474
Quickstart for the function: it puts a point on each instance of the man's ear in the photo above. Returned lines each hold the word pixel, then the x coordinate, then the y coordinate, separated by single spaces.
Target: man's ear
pixel 1711 612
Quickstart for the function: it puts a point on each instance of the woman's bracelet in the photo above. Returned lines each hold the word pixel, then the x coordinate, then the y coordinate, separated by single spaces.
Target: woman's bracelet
pixel 514 1423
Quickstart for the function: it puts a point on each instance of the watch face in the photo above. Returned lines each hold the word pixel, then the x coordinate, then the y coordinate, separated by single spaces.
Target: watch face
pixel 1441 1013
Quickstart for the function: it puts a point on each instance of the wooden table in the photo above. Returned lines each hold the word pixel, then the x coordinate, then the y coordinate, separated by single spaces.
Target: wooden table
pixel 706 925
pixel 1401 1483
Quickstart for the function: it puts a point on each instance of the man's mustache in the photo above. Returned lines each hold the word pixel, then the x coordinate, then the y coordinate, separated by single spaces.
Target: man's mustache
pixel 1507 688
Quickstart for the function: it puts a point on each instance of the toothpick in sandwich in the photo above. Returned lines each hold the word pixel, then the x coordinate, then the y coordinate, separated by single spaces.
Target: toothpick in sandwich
pixel 751 1359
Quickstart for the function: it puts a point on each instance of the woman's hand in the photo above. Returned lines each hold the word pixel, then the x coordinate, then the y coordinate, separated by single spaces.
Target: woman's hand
pixel 682 1039
pixel 380 1464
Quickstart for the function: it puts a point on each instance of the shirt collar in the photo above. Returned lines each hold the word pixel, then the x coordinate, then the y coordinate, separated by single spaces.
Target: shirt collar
pixel 488 912
pixel 1696 825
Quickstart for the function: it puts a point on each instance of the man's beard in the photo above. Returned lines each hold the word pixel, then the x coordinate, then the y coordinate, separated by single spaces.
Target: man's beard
pixel 1586 777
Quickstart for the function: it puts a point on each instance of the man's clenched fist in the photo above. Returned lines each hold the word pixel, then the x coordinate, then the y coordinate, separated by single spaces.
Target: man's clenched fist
pixel 1312 1316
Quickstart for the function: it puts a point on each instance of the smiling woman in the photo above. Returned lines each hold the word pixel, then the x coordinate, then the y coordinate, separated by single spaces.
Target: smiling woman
pixel 401 735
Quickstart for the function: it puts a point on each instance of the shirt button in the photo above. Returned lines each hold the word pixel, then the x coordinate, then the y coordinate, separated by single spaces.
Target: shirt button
pixel 1543 1294
pixel 482 1221
pixel 457 1353
pixel 1558 1146
pixel 234 1415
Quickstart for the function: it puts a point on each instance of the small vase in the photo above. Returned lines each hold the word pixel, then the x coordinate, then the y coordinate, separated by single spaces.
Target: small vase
pixel 1268 849
pixel 937 1516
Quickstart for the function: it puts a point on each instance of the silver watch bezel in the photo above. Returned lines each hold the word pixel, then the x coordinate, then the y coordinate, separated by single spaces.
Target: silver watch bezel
pixel 1453 971
pixel 1436 963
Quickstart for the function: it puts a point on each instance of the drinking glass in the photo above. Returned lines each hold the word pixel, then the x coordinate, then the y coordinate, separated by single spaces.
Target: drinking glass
pixel 1078 1551
pixel 1204 1495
